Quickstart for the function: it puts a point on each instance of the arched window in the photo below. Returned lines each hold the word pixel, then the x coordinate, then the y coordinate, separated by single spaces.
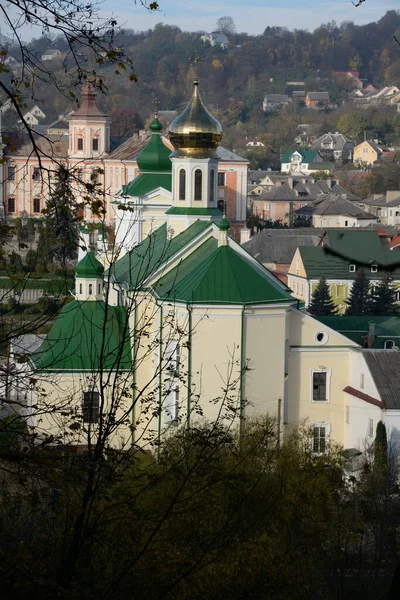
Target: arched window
pixel 182 184
pixel 80 288
pixel 98 288
pixel 198 184
pixel 212 185
pixel 90 289
pixel 221 205
pixel 389 345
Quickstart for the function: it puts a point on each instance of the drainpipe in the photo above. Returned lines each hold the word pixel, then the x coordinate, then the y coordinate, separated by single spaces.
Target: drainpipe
pixel 242 359
pixel 160 382
pixel 134 373
pixel 189 381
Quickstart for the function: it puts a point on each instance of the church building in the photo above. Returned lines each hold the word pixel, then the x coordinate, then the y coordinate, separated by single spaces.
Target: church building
pixel 185 325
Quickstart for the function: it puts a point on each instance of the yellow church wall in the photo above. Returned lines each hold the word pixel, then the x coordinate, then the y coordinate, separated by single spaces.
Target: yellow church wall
pixel 264 349
pixel 301 406
pixel 304 329
pixel 157 199
pixel 59 405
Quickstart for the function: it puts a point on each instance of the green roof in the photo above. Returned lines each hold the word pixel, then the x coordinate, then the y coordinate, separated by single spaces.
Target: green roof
pixel 138 264
pixel 321 166
pixel 364 247
pixel 147 182
pixel 89 267
pixel 212 212
pixel 308 156
pixel 86 336
pixel 357 328
pixel 213 274
pixel 321 260
pixel 224 224
pixel 154 157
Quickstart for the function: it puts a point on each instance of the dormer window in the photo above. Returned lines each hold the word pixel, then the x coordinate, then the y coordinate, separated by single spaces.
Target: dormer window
pixel 352 268
pixel 374 268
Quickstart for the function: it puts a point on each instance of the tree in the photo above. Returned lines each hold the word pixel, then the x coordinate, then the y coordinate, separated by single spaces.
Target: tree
pixel 321 301
pixel 61 222
pixel 384 298
pixel 125 121
pixel 226 25
pixel 360 300
pixel 352 125
pixel 381 451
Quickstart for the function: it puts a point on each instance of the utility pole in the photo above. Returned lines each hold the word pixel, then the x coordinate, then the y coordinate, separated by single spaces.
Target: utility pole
pixel 278 423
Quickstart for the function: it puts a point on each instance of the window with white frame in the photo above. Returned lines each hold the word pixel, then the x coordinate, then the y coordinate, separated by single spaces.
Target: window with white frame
pixel 172 357
pixel 397 296
pixel 352 268
pixel 171 401
pixel 374 268
pixel 320 437
pixel 389 345
pixel 320 386
pixel 370 427
pixel 91 407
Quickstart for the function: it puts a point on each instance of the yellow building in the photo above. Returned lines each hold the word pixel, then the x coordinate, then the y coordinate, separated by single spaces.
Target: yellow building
pixel 368 152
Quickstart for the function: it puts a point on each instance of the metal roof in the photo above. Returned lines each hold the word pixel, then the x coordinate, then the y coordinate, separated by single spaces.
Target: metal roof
pixel 384 366
pixel 280 245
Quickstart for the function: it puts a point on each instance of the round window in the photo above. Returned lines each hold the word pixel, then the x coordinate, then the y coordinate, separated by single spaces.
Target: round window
pixel 321 337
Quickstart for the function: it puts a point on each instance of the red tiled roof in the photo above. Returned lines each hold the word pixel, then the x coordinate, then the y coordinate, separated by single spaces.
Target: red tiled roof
pixel 353 392
pixel 394 242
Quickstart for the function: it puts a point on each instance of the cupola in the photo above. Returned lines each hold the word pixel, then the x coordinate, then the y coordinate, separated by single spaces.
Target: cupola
pixel 154 158
pixel 195 133
pixel 89 278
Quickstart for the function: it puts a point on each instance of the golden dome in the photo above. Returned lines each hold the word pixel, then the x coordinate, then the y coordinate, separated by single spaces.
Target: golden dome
pixel 195 132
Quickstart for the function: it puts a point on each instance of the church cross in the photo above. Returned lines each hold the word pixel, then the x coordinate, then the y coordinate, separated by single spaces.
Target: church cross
pixel 196 59
pixel 156 104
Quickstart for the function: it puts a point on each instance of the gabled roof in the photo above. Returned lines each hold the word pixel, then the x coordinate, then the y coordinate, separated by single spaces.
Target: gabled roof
pixel 139 264
pixel 280 245
pixel 335 204
pixel 278 98
pixel 84 336
pixel 213 274
pixel 384 366
pixel 318 96
pixel 279 192
pixel 147 182
pixel 338 141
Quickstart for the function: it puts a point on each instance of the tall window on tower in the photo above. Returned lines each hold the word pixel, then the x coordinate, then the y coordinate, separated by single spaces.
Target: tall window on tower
pixel 212 185
pixel 80 143
pixel 182 184
pixel 95 144
pixel 198 184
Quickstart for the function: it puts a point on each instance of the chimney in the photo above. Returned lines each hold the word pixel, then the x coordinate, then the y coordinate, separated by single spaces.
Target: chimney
pixel 371 334
pixel 290 182
pixel 329 182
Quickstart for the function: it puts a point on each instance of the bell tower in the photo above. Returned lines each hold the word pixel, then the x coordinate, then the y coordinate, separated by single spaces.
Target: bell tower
pixel 89 128
pixel 195 135
pixel 89 278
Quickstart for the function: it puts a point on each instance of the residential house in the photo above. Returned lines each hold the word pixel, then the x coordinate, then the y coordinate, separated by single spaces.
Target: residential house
pixel 51 54
pixel 299 95
pixel 335 210
pixel 334 147
pixel 304 161
pixel 338 257
pixel 216 38
pixel 306 134
pixel 385 207
pixel 317 100
pixel 369 151
pixel 34 115
pixel 386 96
pixel 273 102
pixel 254 143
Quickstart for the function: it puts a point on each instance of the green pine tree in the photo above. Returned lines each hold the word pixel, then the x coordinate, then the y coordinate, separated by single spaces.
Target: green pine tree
pixel 384 299
pixel 61 228
pixel 321 300
pixel 360 299
pixel 380 451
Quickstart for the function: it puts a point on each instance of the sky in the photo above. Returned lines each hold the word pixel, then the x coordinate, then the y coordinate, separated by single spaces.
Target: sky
pixel 251 16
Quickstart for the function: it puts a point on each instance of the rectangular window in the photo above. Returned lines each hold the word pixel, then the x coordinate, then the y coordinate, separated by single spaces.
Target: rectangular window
pixel 95 144
pixel 11 205
pixel 371 427
pixel 319 387
pixel 11 173
pixel 80 143
pixel 36 205
pixel 36 174
pixel 221 179
pixel 348 415
pixel 172 357
pixel 352 268
pixel 397 296
pixel 91 407
pixel 319 439
pixel 362 381
pixel 171 402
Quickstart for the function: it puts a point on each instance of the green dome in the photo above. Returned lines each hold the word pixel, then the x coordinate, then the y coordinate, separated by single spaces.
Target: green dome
pixel 154 158
pixel 89 267
pixel 224 224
